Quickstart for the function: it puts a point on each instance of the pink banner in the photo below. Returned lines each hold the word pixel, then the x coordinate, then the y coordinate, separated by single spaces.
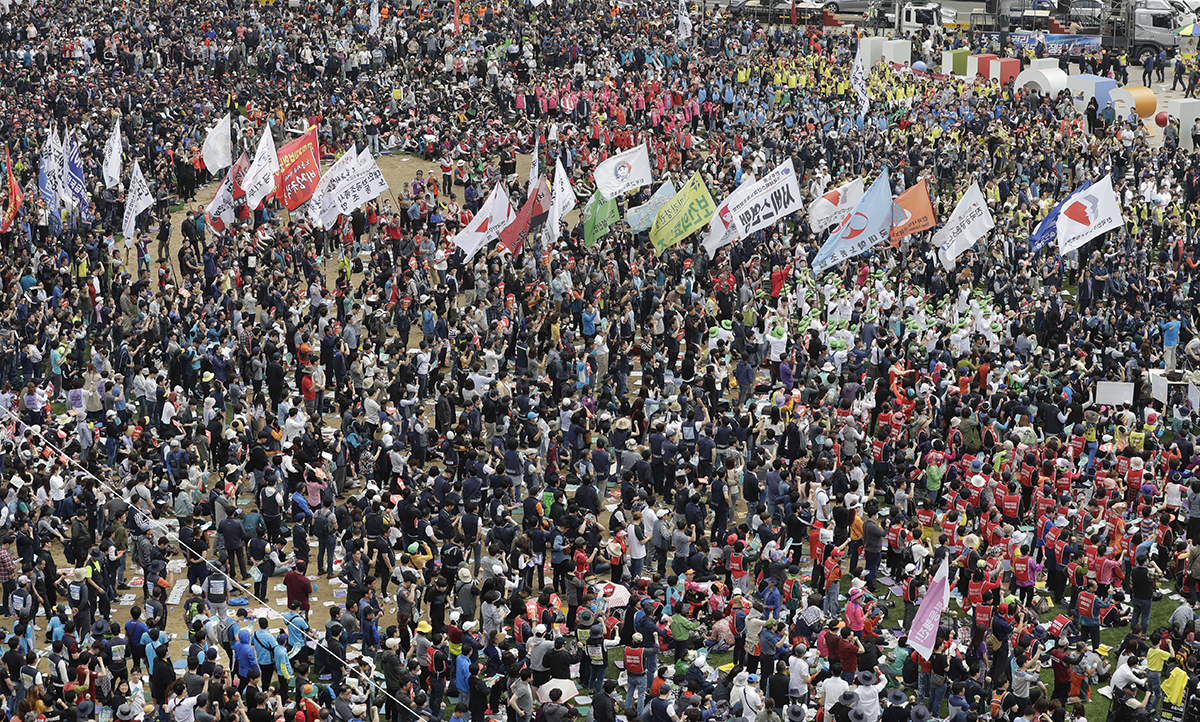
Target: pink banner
pixel 923 635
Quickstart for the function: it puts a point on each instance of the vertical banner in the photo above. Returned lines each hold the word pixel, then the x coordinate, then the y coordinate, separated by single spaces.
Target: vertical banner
pixel 112 156
pixel 15 199
pixel 49 197
pixel 922 636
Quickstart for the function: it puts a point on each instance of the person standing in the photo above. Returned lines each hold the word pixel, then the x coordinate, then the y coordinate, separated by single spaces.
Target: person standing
pixel 1170 332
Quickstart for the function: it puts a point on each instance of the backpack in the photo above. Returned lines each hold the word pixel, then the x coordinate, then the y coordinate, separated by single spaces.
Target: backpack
pixel 322 521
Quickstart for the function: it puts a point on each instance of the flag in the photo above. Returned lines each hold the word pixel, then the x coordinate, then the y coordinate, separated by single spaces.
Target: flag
pixel 723 228
pixel 535 170
pixel 684 23
pixel 457 12
pixel 66 198
pixel 868 225
pixel 774 196
pixel 912 211
pixel 15 199
pixel 831 208
pixel 562 201
pixel 531 218
pixel 598 216
pixel 374 17
pixel 366 183
pixel 299 170
pixel 54 169
pixel 970 221
pixel 49 197
pixel 220 209
pixel 494 216
pixel 75 182
pixel 260 177
pixel 793 12
pixel 690 210
pixel 623 172
pixel 1047 230
pixel 323 210
pixel 239 175
pixel 1088 213
pixel 112 156
pixel 640 218
pixel 922 635
pixel 217 151
pixel 137 199
pixel 858 79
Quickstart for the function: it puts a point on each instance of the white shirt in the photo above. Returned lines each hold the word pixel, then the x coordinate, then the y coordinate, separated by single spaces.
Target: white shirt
pixel 799 675
pixel 637 550
pixel 1124 677
pixel 832 688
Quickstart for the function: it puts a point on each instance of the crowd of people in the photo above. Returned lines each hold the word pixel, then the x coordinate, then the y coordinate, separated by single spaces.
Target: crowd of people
pixel 581 479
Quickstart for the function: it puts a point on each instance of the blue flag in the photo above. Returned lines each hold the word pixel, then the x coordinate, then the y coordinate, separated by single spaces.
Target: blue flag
pixel 1047 231
pixel 49 197
pixel 75 183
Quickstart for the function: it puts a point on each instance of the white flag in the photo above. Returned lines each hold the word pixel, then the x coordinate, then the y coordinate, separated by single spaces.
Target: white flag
pixel 323 208
pixel 54 168
pixel 858 79
pixel 365 184
pixel 494 216
pixel 65 196
pixel 723 228
pixel 137 199
pixel 970 221
pixel 684 23
pixel 1088 213
pixel 374 17
pixel 535 170
pixel 112 156
pixel 623 172
pixel 222 203
pixel 831 208
pixel 562 201
pixel 260 177
pixel 217 151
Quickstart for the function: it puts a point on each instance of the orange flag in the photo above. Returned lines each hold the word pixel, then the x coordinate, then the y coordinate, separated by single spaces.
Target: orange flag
pixel 15 199
pixel 911 212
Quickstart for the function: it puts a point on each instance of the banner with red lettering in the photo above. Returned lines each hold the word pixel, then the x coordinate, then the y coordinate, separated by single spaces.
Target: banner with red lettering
pixel 299 170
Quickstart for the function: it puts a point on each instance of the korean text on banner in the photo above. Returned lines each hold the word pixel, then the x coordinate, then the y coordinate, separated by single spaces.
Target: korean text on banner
pixel 599 215
pixel 776 195
pixel 689 211
pixel 299 170
pixel 640 218
pixel 1087 214
pixel 137 199
pixel 723 229
pixel 922 635
pixel 970 221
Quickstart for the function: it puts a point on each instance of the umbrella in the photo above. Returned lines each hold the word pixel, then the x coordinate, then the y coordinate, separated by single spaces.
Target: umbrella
pixel 617 595
pixel 1193 29
pixel 567 686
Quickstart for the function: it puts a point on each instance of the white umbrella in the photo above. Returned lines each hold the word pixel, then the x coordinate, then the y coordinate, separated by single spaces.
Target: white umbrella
pixel 567 686
pixel 617 595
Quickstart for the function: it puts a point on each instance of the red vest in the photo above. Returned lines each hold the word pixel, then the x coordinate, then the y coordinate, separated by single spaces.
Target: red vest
pixel 1058 625
pixel 633 660
pixel 1010 505
pixel 737 564
pixel 1087 604
pixel 1021 569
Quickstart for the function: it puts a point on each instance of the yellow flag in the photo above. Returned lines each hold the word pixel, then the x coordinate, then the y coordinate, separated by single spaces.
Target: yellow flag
pixel 687 212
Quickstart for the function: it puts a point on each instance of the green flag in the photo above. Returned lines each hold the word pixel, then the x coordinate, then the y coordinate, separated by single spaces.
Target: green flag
pixel 598 216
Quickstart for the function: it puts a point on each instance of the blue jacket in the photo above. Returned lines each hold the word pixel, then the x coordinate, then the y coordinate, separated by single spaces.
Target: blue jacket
pixel 264 645
pixel 243 654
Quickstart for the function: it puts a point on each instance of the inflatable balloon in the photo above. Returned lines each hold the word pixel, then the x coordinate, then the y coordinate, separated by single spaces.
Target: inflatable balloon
pixel 919 65
pixel 1161 119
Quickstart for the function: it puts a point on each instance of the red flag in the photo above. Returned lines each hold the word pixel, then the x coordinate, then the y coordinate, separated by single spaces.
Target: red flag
pixel 531 217
pixel 238 173
pixel 457 12
pixel 15 199
pixel 299 170
pixel 793 12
